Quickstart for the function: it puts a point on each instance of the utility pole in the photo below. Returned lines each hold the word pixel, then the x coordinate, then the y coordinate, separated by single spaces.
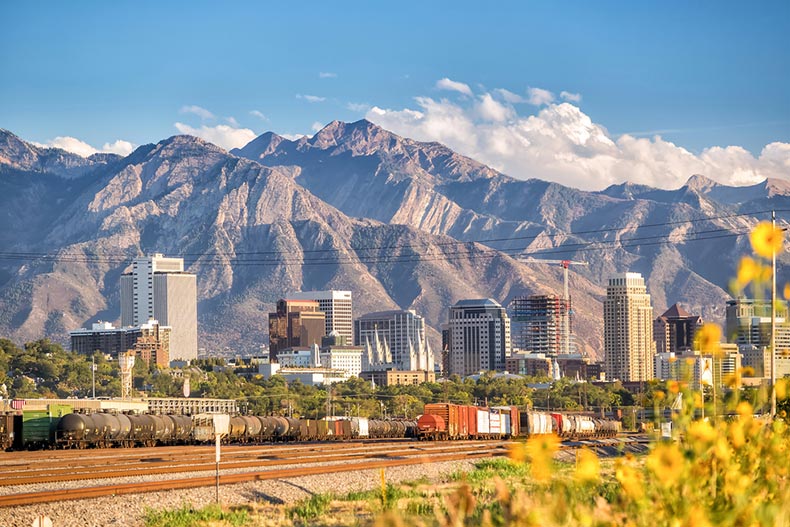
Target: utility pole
pixel 773 321
pixel 93 376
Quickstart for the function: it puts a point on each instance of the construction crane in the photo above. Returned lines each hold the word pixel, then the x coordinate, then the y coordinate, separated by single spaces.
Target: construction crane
pixel 566 327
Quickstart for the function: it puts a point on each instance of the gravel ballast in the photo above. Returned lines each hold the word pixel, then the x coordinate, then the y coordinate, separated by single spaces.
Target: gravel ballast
pixel 129 509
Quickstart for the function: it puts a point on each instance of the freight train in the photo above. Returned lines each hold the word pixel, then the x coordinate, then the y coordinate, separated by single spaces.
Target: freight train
pixel 56 428
pixel 445 421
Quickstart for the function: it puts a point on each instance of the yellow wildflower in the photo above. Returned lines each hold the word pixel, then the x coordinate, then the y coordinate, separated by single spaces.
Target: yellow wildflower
pixel 666 462
pixel 658 395
pixel 744 409
pixel 516 452
pixel 781 389
pixel 748 270
pixel 630 479
pixel 708 339
pixel 673 387
pixel 766 239
pixel 540 450
pixel 786 291
pixel 588 468
pixel 701 432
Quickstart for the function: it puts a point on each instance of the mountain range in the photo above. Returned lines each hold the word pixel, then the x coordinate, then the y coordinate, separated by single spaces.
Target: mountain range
pixel 401 223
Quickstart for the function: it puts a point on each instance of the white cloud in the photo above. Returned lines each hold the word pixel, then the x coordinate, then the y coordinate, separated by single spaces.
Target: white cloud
pixel 316 126
pixel 197 110
pixel 563 144
pixel 259 115
pixel 539 96
pixel 221 135
pixel 293 137
pixel 491 110
pixel 120 147
pixel 571 97
pixel 232 121
pixel 509 96
pixel 81 148
pixel 358 106
pixel 460 87
pixel 310 98
pixel 327 75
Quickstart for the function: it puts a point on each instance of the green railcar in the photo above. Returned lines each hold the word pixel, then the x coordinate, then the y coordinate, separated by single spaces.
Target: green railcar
pixel 38 426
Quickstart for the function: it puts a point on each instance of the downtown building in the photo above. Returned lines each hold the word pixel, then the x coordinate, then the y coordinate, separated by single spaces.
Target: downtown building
pixel 629 348
pixel 394 340
pixel 748 324
pixel 295 324
pixel 158 288
pixel 479 337
pixel 674 331
pixel 150 341
pixel 537 323
pixel 337 308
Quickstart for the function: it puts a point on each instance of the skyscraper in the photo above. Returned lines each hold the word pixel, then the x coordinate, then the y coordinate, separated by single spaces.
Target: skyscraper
pixel 158 288
pixel 295 324
pixel 479 336
pixel 398 335
pixel 536 323
pixel 674 330
pixel 337 307
pixel 628 329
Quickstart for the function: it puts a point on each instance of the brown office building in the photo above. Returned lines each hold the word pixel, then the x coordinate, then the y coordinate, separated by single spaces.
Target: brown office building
pixel 296 323
pixel 150 341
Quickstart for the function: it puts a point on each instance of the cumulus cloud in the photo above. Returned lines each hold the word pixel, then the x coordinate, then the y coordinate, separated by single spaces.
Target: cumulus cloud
pixel 197 110
pixel 570 97
pixel 327 75
pixel 221 135
pixel 232 121
pixel 81 148
pixel 120 147
pixel 259 115
pixel 316 126
pixel 561 143
pixel 293 137
pixel 310 98
pixel 451 85
pixel 539 96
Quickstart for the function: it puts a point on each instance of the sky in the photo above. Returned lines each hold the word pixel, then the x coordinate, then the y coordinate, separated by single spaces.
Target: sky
pixel 587 94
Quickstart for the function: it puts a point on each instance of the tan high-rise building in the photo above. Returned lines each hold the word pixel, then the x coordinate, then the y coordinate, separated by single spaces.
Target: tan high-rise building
pixel 337 307
pixel 295 324
pixel 159 288
pixel 628 329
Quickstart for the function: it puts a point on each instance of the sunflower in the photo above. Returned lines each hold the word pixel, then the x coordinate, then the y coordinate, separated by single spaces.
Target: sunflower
pixel 766 239
pixel 666 462
pixel 748 270
pixel 588 468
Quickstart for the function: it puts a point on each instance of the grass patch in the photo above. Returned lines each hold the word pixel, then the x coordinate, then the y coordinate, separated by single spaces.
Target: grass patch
pixel 313 507
pixel 488 468
pixel 188 516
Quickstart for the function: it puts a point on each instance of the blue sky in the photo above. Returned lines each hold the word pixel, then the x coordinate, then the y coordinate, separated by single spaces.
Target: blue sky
pixel 699 74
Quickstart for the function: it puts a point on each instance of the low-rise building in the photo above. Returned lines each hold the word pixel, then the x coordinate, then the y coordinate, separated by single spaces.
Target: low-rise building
pixel 395 377
pixel 149 341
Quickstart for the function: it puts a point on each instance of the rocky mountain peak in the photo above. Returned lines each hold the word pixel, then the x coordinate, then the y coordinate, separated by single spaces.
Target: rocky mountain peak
pixel 260 147
pixel 700 184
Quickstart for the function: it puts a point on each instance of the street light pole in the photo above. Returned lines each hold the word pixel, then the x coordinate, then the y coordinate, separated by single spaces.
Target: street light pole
pixel 93 376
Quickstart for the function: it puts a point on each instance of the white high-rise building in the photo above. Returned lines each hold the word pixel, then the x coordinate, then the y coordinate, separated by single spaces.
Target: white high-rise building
pixel 479 332
pixel 159 288
pixel 394 339
pixel 338 308
pixel 629 348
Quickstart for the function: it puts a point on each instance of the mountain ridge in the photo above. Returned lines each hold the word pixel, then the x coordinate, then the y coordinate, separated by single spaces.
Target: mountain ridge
pixel 404 224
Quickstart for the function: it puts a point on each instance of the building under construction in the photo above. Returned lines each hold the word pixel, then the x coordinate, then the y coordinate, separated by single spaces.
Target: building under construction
pixel 537 323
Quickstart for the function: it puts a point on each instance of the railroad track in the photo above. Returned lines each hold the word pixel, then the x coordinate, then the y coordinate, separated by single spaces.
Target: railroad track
pixel 334 458
pixel 97 468
pixel 471 451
